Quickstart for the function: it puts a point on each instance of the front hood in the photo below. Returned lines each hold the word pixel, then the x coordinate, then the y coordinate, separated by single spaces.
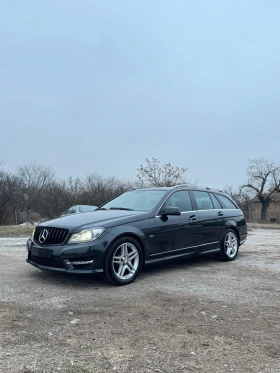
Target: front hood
pixel 99 218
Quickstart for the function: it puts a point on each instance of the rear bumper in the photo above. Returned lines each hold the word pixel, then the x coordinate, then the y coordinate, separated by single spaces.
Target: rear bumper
pixel 243 238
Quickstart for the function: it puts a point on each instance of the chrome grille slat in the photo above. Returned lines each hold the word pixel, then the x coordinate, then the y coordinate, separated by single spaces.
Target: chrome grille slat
pixel 55 233
pixel 56 236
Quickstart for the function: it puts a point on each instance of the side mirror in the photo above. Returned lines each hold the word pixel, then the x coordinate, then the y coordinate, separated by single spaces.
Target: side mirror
pixel 170 210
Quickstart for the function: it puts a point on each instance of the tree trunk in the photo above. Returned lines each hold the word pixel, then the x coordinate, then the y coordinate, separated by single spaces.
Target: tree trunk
pixel 265 204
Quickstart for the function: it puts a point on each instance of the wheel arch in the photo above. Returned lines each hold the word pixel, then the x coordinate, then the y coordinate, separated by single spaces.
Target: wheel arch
pixel 132 235
pixel 234 228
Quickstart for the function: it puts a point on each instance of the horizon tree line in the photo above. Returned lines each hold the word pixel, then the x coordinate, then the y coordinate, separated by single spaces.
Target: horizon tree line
pixel 34 192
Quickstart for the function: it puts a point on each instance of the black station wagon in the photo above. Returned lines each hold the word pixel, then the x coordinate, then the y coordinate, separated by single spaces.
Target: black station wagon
pixel 139 227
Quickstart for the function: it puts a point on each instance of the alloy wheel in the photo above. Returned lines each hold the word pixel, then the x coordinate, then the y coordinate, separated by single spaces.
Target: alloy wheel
pixel 231 244
pixel 125 261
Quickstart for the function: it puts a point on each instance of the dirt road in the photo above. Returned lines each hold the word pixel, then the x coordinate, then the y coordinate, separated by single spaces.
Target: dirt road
pixel 200 315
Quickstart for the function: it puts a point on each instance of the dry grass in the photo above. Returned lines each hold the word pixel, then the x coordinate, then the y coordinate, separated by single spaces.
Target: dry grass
pixel 15 230
pixel 263 225
pixel 19 231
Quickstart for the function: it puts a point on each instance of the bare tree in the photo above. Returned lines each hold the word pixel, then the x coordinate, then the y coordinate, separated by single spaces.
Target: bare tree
pixel 59 195
pixel 10 197
pixel 157 175
pixel 242 197
pixel 34 179
pixel 99 189
pixel 263 181
pixel 33 192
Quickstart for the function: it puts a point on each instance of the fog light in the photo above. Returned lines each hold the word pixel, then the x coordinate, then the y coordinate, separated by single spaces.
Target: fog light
pixel 81 262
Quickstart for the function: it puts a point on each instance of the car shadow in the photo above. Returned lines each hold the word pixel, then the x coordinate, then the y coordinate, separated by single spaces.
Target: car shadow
pixel 196 261
pixel 96 281
pixel 60 279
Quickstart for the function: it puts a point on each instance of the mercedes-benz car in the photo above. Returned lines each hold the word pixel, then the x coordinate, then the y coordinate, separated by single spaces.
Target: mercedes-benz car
pixel 79 209
pixel 139 227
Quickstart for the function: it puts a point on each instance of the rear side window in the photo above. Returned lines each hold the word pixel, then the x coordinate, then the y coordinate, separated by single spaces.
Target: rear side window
pixel 84 208
pixel 203 200
pixel 226 202
pixel 216 203
pixel 181 200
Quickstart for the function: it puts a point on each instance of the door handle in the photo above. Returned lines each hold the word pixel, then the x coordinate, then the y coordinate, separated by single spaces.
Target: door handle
pixel 220 213
pixel 192 218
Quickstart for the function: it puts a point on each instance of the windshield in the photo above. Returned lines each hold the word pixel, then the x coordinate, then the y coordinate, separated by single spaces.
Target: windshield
pixel 139 200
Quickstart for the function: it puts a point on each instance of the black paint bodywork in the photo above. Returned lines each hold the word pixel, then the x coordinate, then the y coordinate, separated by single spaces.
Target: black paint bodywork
pixel 162 237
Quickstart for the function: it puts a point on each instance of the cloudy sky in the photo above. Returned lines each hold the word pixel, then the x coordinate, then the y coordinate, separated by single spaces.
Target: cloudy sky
pixel 99 85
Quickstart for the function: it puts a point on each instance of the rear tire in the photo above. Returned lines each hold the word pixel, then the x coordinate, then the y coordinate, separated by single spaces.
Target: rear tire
pixel 123 261
pixel 229 245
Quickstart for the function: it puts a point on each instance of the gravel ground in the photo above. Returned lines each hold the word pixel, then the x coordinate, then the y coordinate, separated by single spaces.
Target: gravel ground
pixel 198 315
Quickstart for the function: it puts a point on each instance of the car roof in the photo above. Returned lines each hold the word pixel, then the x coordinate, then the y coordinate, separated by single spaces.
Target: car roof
pixel 165 189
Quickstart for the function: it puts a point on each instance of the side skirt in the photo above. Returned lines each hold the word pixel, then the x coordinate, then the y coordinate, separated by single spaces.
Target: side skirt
pixel 180 256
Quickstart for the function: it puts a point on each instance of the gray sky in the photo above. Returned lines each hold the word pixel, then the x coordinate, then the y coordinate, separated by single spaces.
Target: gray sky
pixel 98 85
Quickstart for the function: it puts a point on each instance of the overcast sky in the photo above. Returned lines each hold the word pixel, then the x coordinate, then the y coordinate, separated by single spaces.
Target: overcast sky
pixel 99 85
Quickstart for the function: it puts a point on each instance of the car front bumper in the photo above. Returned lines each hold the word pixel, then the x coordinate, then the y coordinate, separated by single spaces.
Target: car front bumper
pixel 77 271
pixel 77 258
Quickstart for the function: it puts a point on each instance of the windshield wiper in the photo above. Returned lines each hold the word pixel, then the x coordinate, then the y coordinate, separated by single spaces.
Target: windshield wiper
pixel 121 208
pixel 100 208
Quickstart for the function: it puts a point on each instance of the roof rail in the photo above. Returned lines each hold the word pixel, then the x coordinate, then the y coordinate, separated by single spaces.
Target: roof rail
pixel 196 186
pixel 180 185
pixel 202 187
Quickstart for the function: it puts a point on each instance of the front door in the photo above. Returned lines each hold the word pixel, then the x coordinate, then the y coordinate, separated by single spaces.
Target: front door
pixel 177 234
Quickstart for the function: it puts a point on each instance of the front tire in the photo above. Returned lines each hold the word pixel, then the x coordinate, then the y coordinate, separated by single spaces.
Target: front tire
pixel 123 261
pixel 229 245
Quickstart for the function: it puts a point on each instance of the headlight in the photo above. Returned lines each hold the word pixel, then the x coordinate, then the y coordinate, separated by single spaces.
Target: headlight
pixel 32 236
pixel 87 235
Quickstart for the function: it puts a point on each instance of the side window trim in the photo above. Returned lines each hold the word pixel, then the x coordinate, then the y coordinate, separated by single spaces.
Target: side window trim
pixel 195 203
pixel 221 202
pixel 212 196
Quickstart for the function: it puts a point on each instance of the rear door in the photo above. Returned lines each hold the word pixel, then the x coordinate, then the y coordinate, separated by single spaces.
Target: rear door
pixel 211 218
pixel 234 214
pixel 228 206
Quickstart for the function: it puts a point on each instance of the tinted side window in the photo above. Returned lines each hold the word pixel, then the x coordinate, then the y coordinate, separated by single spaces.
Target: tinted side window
pixel 227 202
pixel 73 210
pixel 84 208
pixel 216 203
pixel 203 200
pixel 181 200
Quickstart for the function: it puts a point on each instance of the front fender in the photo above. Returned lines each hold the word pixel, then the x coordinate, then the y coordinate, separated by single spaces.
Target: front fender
pixel 127 229
pixel 143 231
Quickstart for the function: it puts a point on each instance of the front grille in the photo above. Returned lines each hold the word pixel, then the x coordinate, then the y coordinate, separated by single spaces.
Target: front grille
pixel 54 236
pixel 46 262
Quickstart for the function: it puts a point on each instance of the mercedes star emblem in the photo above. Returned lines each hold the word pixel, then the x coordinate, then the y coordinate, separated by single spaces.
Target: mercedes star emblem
pixel 43 235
